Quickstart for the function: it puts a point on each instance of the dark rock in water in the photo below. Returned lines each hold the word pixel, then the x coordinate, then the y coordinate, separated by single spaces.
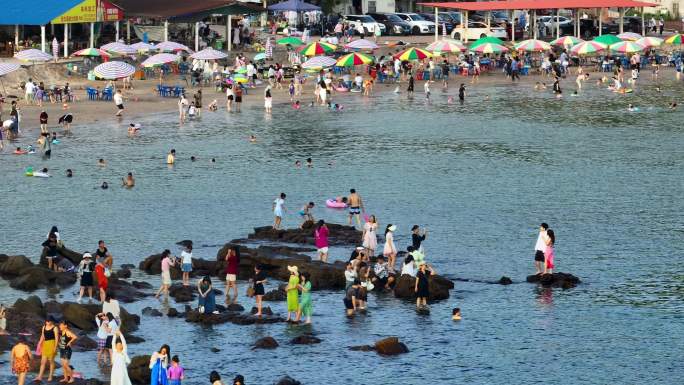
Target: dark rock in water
pixel 339 234
pixel 390 346
pixel 152 265
pixel 275 295
pixel 131 339
pixel 305 339
pixel 139 370
pixel 79 316
pixel 173 312
pixel 423 310
pixel 184 243
pixel 439 287
pixel 215 350
pixel 287 380
pixel 128 266
pixel 182 293
pixel 30 305
pixel 235 307
pixel 265 343
pixel 13 265
pixel 123 273
pixel 265 310
pixel 505 281
pixel 85 343
pixel 74 256
pixel 124 291
pixel 150 312
pixel 561 280
pixel 141 285
pixel 54 290
pixel 362 348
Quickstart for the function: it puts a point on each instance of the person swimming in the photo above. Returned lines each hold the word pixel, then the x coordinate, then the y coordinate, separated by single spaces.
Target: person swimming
pixel 54 138
pixel 213 106
pixel 19 151
pixel 101 162
pixel 104 186
pixel 631 108
pixel 296 105
pixel 298 163
pixel 213 160
pixel 309 162
pixel 30 149
pixel 673 105
pixel 133 128
pixel 192 158
pixel 69 173
pixel 252 138
pixel 456 314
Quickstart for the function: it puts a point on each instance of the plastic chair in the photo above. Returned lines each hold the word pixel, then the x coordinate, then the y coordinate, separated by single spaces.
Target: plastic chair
pixel 107 94
pixel 92 93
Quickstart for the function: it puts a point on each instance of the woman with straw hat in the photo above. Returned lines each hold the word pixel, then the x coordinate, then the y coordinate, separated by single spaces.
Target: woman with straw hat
pixel 292 293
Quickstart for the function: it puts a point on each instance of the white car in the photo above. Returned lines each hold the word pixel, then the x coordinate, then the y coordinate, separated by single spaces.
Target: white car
pixel 363 24
pixel 477 30
pixel 550 22
pixel 418 24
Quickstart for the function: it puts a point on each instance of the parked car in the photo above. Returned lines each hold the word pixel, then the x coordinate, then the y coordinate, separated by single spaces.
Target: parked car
pixel 632 24
pixel 589 28
pixel 550 22
pixel 456 17
pixel 363 24
pixel 417 23
pixel 393 23
pixel 444 20
pixel 477 30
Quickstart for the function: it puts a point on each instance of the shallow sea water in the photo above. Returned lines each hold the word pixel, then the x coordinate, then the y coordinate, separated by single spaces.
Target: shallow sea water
pixel 481 177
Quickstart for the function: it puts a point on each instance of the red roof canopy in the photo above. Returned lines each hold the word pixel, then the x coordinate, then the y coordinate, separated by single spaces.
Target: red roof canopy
pixel 539 4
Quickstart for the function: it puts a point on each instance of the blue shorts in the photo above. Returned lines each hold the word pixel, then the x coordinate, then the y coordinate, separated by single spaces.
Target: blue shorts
pixel 186 267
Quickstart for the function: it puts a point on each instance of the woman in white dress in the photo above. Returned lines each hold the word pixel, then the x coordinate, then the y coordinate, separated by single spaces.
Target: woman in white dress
pixel 370 239
pixel 120 361
pixel 390 250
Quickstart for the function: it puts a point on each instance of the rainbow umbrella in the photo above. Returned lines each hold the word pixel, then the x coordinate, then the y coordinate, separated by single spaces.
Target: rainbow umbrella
pixel 626 47
pixel 587 48
pixel 607 40
pixel 650 42
pixel 353 59
pixel 532 45
pixel 675 39
pixel 446 45
pixel 33 54
pixel 318 62
pixel 119 48
pixel 485 40
pixel 92 52
pixel 413 54
pixel 290 40
pixel 239 78
pixel 361 44
pixel 490 48
pixel 317 48
pixel 566 41
pixel 629 36
pixel 114 70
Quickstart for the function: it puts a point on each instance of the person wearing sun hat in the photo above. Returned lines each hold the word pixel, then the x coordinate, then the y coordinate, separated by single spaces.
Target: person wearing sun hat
pixel 85 271
pixel 292 293
pixel 390 250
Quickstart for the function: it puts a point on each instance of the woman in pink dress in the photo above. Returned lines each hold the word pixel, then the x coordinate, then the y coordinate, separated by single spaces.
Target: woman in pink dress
pixel 548 252
pixel 390 250
pixel 369 238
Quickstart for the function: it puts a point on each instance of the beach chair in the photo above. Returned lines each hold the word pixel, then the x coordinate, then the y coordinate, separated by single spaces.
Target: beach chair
pixel 92 93
pixel 107 94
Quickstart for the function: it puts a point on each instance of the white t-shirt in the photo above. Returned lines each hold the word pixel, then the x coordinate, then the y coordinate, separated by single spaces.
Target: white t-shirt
pixel 541 241
pixel 118 99
pixel 409 269
pixel 358 80
pixel 251 71
pixel 111 307
pixel 350 275
pixel 279 204
pixel 29 87
pixel 187 257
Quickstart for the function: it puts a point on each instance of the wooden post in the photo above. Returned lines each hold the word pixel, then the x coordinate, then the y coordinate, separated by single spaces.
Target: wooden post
pixel 513 27
pixel 465 28
pixel 643 23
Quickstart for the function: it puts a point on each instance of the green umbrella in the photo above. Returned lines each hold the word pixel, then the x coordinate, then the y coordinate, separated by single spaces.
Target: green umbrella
pixel 607 39
pixel 290 40
pixel 485 40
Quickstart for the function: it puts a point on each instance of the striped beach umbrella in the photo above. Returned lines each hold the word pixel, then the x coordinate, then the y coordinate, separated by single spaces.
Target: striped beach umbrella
pixel 566 41
pixel 142 47
pixel 353 59
pixel 159 59
pixel 629 36
pixel 6 68
pixel 33 54
pixel 93 52
pixel 485 40
pixel 675 39
pixel 268 49
pixel 119 48
pixel 446 45
pixel 607 40
pixel 319 62
pixel 55 47
pixel 317 48
pixel 260 56
pixel 587 48
pixel 413 54
pixel 650 42
pixel 208 54
pixel 114 70
pixel 290 40
pixel 361 44
pixel 626 47
pixel 490 48
pixel 172 46
pixel 532 45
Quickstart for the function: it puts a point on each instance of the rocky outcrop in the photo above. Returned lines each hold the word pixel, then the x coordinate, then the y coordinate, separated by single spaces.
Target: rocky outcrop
pixel 26 276
pixel 287 380
pixel 127 292
pixel 13 265
pixel 305 339
pixel 390 346
pixel 265 343
pixel 561 280
pixel 505 281
pixel 275 295
pixel 182 293
pixel 340 235
pixel 150 312
pixel 139 370
pixel 439 287
pixel 232 317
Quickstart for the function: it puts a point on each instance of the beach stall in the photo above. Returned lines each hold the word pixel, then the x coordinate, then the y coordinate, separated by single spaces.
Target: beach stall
pixel 89 12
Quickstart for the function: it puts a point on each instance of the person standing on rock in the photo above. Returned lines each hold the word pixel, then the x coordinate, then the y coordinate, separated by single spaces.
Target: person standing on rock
pixel 50 247
pixel 85 271
pixel 292 293
pixel 20 359
pixel 232 267
pixel 305 302
pixel 390 250
pixel 66 341
pixel 539 248
pixel 417 238
pixel 103 255
pixel 370 235
pixel 111 305
pixel 355 206
pixel 120 361
pixel 166 264
pixel 258 282
pixel 186 264
pixel 159 362
pixel 47 345
pixel 321 240
pixel 549 254
pixel 102 324
pixel 102 281
pixel 112 328
pixel 422 287
pixel 278 209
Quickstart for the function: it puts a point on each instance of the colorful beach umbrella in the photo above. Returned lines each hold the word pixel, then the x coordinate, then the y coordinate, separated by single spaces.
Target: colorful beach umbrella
pixel 629 36
pixel 172 46
pixel 532 45
pixel 6 68
pixel 239 78
pixel 142 46
pixel 114 70
pixel 159 59
pixel 33 54
pixel 566 41
pixel 490 48
pixel 208 54
pixel 353 59
pixel 93 52
pixel 650 42
pixel 607 40
pixel 413 54
pixel 290 40
pixel 446 45
pixel 626 47
pixel 485 40
pixel 587 48
pixel 260 56
pixel 675 39
pixel 317 48
pixel 361 44
pixel 319 62
pixel 119 48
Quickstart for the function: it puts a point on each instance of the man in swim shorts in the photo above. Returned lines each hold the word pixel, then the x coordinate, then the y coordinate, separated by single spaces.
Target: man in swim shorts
pixel 355 206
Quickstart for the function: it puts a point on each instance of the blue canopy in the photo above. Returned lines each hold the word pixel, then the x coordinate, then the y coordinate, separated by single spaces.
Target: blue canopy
pixel 34 12
pixel 294 5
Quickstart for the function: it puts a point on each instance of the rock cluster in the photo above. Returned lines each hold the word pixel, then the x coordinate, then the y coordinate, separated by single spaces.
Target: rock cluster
pixel 561 280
